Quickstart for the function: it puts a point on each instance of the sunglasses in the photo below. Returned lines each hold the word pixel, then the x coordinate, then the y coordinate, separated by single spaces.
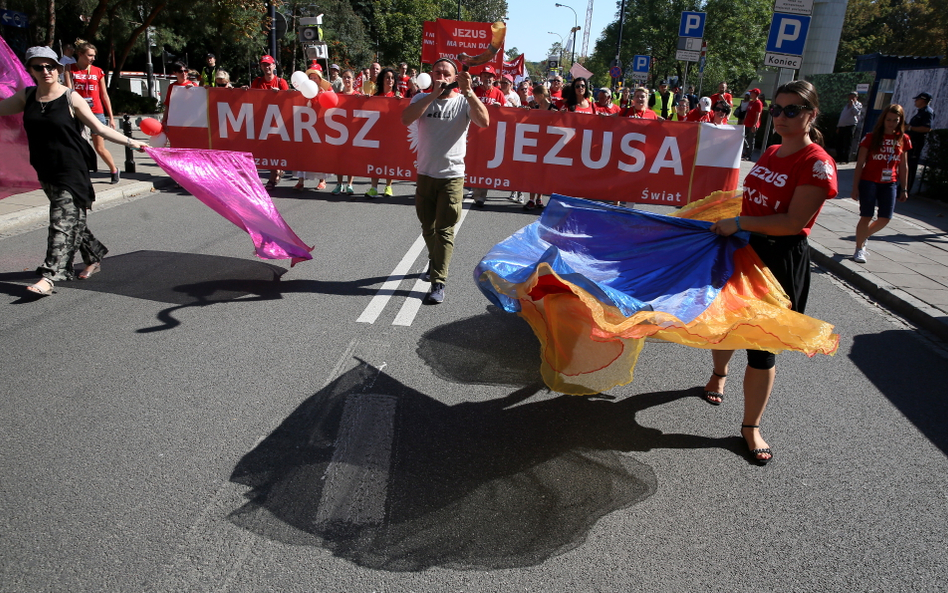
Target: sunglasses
pixel 43 67
pixel 722 110
pixel 788 111
pixel 220 84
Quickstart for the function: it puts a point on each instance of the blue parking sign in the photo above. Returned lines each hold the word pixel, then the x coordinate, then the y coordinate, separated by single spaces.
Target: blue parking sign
pixel 788 34
pixel 641 63
pixel 692 24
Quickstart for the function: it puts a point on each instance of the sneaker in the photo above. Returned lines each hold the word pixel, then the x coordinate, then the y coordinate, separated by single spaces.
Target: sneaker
pixel 337 190
pixel 479 203
pixel 349 190
pixel 372 193
pixel 436 296
pixel 861 256
pixel 322 184
pixel 540 203
pixel 389 191
pixel 530 205
pixel 515 196
pixel 115 178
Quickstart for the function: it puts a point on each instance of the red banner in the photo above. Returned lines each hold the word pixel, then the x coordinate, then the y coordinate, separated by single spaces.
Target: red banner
pixel 446 39
pixel 605 158
pixel 515 68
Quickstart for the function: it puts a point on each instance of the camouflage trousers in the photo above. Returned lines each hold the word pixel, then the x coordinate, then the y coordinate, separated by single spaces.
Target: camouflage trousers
pixel 68 233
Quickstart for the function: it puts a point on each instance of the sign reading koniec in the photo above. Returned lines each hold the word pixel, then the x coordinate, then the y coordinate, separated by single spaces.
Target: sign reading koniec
pixel 605 158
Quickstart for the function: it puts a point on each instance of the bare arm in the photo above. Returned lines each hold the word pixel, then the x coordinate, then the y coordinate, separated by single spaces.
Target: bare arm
pixel 479 114
pixel 106 103
pixel 414 111
pixel 857 173
pixel 903 176
pixel 84 114
pixel 805 203
pixel 67 77
pixel 14 104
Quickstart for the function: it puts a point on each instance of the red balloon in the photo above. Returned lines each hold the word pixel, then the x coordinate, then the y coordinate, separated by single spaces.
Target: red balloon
pixel 328 99
pixel 150 126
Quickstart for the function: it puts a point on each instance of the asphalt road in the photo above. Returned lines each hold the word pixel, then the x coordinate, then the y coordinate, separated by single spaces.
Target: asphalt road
pixel 196 419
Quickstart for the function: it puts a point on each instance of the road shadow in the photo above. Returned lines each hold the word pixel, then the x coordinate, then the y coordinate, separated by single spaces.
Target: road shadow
pixel 883 357
pixel 493 348
pixel 196 280
pixel 392 479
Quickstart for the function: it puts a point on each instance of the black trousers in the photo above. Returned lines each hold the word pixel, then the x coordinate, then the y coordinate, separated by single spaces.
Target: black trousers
pixel 844 143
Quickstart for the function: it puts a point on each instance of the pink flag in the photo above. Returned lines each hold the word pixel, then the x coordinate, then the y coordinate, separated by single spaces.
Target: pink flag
pixel 228 183
pixel 16 173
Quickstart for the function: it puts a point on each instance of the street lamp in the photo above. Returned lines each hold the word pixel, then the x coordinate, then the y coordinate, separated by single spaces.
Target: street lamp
pixel 561 44
pixel 575 28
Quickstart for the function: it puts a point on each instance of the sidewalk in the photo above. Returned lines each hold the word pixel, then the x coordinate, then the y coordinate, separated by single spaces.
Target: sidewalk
pixel 907 270
pixel 33 206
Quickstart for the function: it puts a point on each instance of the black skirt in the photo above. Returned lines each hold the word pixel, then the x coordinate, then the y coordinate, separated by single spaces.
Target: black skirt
pixel 789 260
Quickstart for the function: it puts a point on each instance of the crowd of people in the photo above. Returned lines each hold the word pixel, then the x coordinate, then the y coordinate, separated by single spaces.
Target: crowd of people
pixel 783 194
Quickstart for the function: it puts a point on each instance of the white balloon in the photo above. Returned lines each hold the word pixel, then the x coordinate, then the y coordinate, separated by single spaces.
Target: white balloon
pixel 309 89
pixel 298 79
pixel 158 140
pixel 423 80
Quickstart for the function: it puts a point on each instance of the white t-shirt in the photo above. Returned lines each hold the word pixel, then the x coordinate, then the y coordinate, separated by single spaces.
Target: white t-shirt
pixel 442 137
pixel 513 99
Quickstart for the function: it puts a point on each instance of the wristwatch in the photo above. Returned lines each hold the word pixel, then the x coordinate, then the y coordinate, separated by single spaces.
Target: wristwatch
pixel 469 93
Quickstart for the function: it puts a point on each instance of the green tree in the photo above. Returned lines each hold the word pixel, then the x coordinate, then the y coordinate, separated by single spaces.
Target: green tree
pixel 735 32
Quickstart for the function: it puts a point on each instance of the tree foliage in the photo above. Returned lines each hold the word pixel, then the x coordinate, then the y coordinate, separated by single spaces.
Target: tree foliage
pixel 899 27
pixel 735 32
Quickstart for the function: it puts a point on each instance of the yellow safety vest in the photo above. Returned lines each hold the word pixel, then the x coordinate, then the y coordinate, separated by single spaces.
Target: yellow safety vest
pixel 657 108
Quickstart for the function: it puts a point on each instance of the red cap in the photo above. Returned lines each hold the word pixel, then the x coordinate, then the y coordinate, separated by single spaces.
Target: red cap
pixel 267 60
pixel 755 91
pixel 508 78
pixel 489 70
pixel 315 66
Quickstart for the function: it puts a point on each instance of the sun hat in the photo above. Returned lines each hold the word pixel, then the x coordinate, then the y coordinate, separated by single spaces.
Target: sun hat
pixel 41 51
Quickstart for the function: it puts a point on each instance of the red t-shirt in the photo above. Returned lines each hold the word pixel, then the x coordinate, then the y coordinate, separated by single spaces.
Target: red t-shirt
pixel 726 97
pixel 698 115
pixel 185 84
pixel 887 157
pixel 276 83
pixel 557 95
pixel 402 84
pixel 769 187
pixel 610 109
pixel 644 114
pixel 752 116
pixel 87 83
pixel 490 95
pixel 389 94
pixel 589 109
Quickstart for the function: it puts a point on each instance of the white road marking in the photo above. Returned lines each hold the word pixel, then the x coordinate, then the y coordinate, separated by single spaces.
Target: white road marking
pixel 406 314
pixel 356 479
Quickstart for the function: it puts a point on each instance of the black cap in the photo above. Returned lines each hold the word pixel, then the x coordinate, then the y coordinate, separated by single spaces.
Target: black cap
pixel 925 96
pixel 665 82
pixel 211 56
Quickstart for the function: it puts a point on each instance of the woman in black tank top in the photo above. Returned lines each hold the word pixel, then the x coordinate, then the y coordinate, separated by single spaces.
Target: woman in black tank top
pixel 53 117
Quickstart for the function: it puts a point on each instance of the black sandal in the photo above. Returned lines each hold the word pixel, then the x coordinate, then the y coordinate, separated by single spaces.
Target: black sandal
pixel 709 394
pixel 755 452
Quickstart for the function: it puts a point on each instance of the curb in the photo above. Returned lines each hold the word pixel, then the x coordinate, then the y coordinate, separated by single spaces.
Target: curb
pixel 38 213
pixel 915 311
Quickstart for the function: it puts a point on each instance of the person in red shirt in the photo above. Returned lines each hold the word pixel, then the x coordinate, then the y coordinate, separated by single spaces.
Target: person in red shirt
pixel 180 71
pixel 89 83
pixel 403 80
pixel 487 92
pixel 385 86
pixel 268 80
pixel 556 87
pixel 604 104
pixel 722 95
pixel 882 163
pixel 719 113
pixel 579 97
pixel 752 122
pixel 639 108
pixel 681 110
pixel 702 112
pixel 783 194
